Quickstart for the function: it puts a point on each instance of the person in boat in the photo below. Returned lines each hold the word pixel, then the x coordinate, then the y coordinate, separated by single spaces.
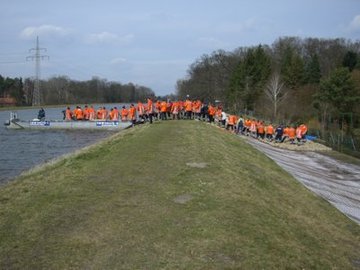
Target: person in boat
pixel 86 113
pixel 105 113
pixel 79 114
pixel 91 111
pixel 114 114
pixel 99 113
pixel 41 114
pixel 124 114
pixel 68 114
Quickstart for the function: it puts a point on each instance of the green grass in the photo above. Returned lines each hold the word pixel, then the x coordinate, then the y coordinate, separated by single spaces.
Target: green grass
pixel 114 206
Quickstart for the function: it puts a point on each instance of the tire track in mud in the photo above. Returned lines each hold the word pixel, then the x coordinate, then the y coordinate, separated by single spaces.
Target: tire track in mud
pixel 335 181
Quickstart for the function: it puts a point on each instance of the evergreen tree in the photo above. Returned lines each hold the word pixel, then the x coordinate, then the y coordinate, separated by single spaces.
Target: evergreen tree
pixel 249 78
pixel 350 60
pixel 339 91
pixel 312 70
pixel 292 69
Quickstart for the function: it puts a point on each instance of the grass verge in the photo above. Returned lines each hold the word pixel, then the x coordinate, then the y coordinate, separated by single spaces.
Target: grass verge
pixel 172 195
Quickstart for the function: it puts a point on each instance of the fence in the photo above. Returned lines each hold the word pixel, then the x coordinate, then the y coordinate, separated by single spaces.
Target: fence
pixel 339 141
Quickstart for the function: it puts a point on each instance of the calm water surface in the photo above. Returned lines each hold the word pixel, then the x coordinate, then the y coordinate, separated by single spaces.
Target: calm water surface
pixel 22 149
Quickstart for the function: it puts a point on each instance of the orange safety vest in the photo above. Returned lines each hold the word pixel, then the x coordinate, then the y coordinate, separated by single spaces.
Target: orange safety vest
pixel 163 107
pixel 291 133
pixel 86 113
pixel 91 113
pixel 150 107
pixel 286 131
pixel 140 108
pixel 175 108
pixel 124 114
pixel 79 114
pixel 188 106
pixel 157 106
pixel 261 129
pixel 303 128
pixel 232 120
pixel 132 113
pixel 270 129
pixel 68 114
pixel 114 115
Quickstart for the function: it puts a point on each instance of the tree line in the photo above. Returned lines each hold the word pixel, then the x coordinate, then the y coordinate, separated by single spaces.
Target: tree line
pixel 63 90
pixel 292 80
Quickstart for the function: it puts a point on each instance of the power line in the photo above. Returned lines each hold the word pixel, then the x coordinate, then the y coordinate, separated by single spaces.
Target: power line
pixel 11 62
pixel 37 56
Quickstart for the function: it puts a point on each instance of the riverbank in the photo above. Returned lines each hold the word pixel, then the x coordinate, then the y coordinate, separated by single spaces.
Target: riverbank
pixel 175 194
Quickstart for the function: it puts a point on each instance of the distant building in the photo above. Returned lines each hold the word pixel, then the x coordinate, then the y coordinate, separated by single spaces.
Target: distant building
pixel 7 101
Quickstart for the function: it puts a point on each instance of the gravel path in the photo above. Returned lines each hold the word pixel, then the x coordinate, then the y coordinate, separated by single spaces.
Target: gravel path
pixel 336 181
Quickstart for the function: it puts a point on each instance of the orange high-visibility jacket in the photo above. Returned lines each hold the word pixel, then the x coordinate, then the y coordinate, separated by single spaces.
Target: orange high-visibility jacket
pixel 261 129
pixel 124 114
pixel 132 113
pixel 79 115
pixel 140 108
pixel 269 129
pixel 68 114
pixel 291 133
pixel 150 106
pixel 163 106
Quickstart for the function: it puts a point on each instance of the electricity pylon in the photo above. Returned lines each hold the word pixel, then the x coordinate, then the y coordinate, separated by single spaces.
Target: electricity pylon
pixel 36 99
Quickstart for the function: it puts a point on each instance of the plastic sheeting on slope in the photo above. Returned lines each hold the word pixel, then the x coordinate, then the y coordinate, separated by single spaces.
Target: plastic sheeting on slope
pixel 336 181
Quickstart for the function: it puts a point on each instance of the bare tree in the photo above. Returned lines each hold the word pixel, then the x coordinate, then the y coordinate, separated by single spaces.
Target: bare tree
pixel 275 92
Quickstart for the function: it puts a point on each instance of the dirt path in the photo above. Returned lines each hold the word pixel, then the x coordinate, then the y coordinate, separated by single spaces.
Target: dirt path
pixel 337 182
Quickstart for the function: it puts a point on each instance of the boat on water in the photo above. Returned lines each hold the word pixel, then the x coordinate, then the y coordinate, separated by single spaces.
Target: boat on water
pixel 15 123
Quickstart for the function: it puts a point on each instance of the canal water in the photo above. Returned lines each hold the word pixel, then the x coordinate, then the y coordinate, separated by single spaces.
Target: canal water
pixel 21 150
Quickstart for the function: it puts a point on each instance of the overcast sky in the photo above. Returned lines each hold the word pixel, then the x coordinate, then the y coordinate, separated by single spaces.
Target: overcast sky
pixel 152 43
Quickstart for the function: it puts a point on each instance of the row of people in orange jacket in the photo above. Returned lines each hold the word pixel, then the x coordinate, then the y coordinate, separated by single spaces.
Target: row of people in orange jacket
pixel 89 113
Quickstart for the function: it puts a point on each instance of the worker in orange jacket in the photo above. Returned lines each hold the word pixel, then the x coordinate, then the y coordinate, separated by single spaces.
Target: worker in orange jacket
pixel 132 114
pixel 124 114
pixel 269 132
pixel 292 134
pixel 150 110
pixel 140 110
pixel 78 112
pixel 261 130
pixel 188 108
pixel 163 110
pixel 211 112
pixel 304 130
pixel 231 121
pixel 68 114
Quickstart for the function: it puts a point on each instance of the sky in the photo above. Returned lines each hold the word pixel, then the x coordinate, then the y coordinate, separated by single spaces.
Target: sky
pixel 152 43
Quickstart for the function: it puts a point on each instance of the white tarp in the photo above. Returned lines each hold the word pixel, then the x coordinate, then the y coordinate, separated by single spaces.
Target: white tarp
pixel 336 181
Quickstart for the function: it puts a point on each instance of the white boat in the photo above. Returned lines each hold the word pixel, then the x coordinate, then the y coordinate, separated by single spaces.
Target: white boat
pixel 15 123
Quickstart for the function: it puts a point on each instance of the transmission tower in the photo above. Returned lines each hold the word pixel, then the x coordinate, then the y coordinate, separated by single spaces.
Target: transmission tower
pixel 37 56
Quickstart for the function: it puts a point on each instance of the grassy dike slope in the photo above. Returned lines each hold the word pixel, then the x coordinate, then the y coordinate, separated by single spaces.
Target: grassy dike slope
pixel 132 202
